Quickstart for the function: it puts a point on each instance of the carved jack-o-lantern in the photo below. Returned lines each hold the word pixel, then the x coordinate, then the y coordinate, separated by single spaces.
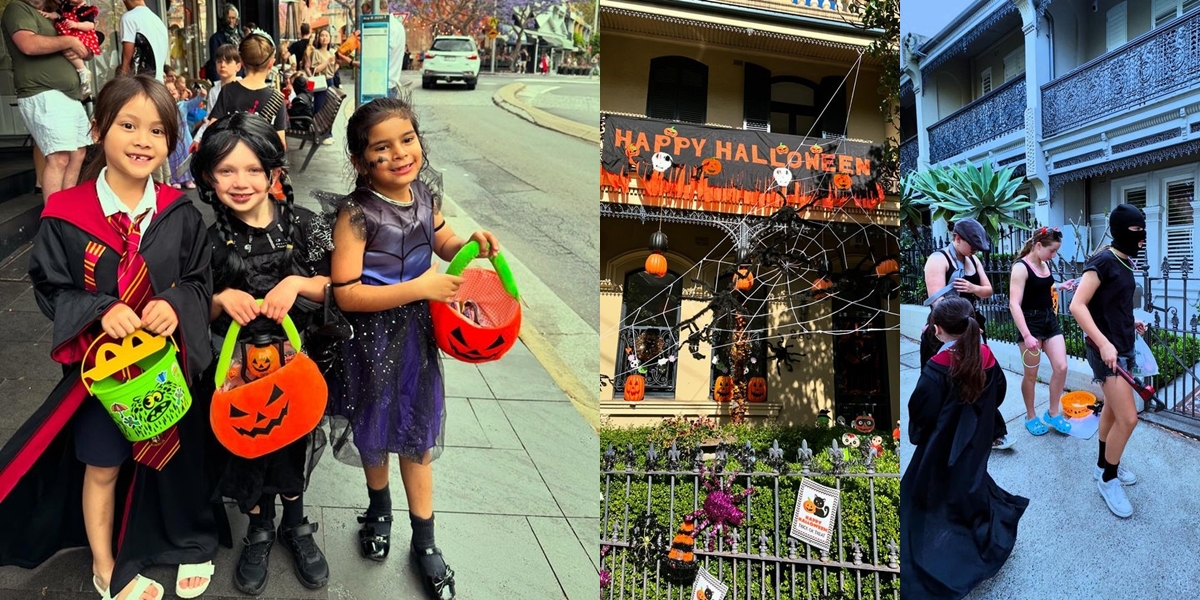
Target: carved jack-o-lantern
pixel 711 166
pixel 864 423
pixel 494 329
pixel 671 131
pixel 816 149
pixel 842 181
pixel 635 388
pixel 631 151
pixel 261 361
pixel 782 148
pixel 757 390
pixel 723 389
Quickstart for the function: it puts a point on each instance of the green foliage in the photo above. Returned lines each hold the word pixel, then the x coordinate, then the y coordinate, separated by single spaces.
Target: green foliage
pixel 884 16
pixel 957 191
pixel 636 494
pixel 1187 348
pixel 595 43
pixel 910 211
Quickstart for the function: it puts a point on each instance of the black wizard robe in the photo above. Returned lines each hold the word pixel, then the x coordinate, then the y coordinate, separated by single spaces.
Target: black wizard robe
pixel 162 517
pixel 957 527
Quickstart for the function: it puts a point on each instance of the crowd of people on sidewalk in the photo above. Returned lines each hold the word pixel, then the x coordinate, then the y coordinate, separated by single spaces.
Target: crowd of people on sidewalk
pixel 122 254
pixel 958 527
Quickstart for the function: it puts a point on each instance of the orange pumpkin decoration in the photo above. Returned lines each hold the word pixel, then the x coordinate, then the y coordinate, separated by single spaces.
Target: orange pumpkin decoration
pixel 671 131
pixel 757 390
pixel 261 361
pixel 723 389
pixel 842 181
pixel 631 151
pixel 864 423
pixel 635 388
pixel 743 279
pixel 822 284
pixel 711 166
pixel 816 149
pixel 887 267
pixel 782 147
pixel 809 506
pixel 656 264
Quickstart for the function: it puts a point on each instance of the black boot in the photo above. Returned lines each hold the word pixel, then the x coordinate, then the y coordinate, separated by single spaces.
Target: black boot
pixel 311 567
pixel 250 576
pixel 436 575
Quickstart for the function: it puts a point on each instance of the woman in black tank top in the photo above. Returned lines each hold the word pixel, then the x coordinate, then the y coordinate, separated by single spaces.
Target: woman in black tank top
pixel 1031 300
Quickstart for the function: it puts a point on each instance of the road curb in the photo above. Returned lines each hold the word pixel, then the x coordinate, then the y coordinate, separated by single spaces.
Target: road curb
pixel 548 348
pixel 506 98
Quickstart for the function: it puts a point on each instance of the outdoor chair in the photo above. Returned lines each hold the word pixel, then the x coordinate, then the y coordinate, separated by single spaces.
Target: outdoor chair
pixel 318 127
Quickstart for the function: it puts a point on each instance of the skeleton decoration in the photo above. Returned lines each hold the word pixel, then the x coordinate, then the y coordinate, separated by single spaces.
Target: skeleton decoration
pixel 661 161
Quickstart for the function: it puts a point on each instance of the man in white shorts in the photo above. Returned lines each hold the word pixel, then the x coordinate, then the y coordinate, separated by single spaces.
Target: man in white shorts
pixel 48 91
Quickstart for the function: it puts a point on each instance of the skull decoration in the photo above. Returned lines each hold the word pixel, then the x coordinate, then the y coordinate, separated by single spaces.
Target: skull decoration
pixel 661 161
pixel 849 440
pixel 783 176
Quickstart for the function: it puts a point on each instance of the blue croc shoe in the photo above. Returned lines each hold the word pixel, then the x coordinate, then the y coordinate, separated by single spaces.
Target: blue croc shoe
pixel 1036 426
pixel 1059 422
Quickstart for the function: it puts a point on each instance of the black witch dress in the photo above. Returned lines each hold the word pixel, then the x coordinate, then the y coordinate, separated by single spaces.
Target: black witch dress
pixel 263 253
pixel 957 527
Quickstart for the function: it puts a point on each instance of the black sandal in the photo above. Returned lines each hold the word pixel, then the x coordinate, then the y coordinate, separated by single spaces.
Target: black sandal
pixel 439 584
pixel 372 544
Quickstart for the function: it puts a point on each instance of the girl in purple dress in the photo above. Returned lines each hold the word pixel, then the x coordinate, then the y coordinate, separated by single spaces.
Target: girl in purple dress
pixel 386 392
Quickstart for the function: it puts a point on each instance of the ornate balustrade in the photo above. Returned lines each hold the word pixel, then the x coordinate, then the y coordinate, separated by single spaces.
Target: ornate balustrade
pixel 1000 112
pixel 909 153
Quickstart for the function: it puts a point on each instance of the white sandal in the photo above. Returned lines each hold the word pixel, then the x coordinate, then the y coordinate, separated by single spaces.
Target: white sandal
pixel 140 586
pixel 103 593
pixel 204 570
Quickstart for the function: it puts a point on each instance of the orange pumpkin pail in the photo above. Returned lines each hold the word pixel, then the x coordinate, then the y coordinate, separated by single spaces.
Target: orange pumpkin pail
pixel 483 320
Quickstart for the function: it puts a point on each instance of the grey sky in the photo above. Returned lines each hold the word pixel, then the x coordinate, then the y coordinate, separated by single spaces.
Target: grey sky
pixel 927 17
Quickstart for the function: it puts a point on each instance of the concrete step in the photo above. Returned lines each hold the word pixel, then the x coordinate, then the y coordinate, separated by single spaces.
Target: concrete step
pixel 19 218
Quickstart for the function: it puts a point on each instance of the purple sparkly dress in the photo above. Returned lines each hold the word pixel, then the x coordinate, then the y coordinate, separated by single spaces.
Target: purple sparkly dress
pixel 386 393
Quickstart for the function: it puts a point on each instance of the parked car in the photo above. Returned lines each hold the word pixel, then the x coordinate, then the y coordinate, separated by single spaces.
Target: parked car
pixel 450 58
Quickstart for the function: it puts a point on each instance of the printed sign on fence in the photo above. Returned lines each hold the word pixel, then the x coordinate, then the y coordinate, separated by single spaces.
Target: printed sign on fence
pixel 816 510
pixel 707 587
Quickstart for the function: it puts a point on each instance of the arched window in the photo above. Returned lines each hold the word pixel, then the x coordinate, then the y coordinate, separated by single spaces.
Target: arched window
pixel 650 312
pixel 677 90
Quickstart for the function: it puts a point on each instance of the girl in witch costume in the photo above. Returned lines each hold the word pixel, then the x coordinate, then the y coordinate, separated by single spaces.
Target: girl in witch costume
pixel 280 253
pixel 1103 306
pixel 115 254
pixel 388 392
pixel 1036 320
pixel 956 525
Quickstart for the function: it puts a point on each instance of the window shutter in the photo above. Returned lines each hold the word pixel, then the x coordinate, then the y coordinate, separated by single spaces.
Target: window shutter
pixel 677 90
pixel 756 97
pixel 1164 10
pixel 1136 197
pixel 1116 28
pixel 1014 64
pixel 1189 6
pixel 1180 222
pixel 693 93
pixel 661 93
pixel 985 82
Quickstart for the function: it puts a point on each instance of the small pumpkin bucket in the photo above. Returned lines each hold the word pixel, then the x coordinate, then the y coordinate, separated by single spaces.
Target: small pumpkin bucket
pixel 481 323
pixel 282 402
pixel 1077 405
pixel 148 404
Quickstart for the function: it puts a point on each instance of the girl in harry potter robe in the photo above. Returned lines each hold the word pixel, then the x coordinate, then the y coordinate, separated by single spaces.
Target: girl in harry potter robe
pixel 957 527
pixel 68 477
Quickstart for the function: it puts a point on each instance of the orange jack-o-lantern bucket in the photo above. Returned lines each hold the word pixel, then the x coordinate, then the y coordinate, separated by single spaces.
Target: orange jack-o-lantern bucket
pixel 270 396
pixel 483 319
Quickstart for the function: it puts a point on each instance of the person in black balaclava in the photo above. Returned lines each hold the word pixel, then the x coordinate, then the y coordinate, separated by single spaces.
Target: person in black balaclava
pixel 228 32
pixel 1103 307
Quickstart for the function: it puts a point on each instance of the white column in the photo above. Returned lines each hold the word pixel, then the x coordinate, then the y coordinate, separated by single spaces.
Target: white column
pixel 1038 71
pixel 1153 254
pixel 909 64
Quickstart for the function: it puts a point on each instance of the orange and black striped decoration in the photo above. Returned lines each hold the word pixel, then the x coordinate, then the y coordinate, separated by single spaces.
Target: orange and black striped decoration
pixel 680 567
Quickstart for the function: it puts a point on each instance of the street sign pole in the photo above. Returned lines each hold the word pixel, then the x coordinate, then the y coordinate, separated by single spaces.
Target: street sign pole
pixel 493 56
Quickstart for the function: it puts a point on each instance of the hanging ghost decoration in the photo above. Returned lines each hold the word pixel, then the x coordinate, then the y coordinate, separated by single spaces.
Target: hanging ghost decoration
pixel 783 177
pixel 661 161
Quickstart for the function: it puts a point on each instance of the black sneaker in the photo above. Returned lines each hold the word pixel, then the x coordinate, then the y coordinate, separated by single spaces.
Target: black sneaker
pixel 253 566
pixel 311 568
pixel 436 575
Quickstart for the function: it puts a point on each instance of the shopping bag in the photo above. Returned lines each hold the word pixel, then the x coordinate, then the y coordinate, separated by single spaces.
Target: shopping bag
pixel 1144 364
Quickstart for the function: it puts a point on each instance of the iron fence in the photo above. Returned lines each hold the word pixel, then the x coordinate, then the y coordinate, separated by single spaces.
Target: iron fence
pixel 758 559
pixel 1170 296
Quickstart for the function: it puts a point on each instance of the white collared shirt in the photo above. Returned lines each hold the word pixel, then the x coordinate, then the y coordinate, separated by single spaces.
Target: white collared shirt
pixel 111 204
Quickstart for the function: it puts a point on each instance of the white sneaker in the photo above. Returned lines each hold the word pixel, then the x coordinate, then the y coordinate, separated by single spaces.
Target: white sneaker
pixel 1125 475
pixel 1003 443
pixel 85 80
pixel 1114 495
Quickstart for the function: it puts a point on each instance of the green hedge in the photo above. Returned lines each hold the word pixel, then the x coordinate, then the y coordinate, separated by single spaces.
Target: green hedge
pixel 854 512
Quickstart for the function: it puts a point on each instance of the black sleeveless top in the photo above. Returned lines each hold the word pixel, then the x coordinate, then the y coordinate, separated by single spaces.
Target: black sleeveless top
pixel 1037 290
pixel 973 278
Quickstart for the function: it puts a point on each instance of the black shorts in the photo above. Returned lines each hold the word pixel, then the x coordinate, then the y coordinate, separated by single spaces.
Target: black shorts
pixel 1042 323
pixel 1100 371
pixel 98 442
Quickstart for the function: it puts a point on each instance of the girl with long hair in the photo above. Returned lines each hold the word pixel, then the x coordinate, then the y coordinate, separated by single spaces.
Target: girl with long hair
pixel 1030 298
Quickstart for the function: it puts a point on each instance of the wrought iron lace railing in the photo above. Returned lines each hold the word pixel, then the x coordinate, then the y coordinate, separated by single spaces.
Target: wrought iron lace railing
pixel 1161 62
pixel 1000 112
pixel 909 153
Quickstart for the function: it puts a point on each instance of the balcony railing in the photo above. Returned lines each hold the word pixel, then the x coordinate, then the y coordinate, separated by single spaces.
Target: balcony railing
pixel 1161 62
pixel 1000 112
pixel 819 9
pixel 909 153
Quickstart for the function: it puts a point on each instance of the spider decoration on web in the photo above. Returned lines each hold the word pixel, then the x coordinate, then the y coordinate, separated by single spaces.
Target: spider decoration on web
pixel 719 512
pixel 648 541
pixel 782 355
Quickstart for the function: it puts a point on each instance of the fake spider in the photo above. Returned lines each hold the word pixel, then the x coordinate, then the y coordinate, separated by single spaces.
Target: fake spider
pixel 719 511
pixel 781 355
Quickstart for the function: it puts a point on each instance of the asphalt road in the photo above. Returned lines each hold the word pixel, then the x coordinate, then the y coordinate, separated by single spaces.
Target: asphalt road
pixel 578 100
pixel 534 188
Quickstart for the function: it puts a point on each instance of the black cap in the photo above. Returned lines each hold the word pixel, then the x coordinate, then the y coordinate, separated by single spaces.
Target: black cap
pixel 972 232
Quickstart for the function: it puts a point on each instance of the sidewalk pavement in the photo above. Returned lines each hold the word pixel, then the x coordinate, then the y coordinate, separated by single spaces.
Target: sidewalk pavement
pixel 1069 546
pixel 512 492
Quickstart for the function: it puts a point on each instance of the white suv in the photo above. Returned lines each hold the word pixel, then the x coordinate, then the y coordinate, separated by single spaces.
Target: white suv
pixel 451 58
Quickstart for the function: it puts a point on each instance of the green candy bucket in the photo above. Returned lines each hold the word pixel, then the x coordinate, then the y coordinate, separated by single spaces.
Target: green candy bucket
pixel 148 404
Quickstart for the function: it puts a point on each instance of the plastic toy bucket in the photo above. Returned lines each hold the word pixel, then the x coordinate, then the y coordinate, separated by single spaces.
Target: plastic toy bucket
pixel 1076 405
pixel 148 404
pixel 483 320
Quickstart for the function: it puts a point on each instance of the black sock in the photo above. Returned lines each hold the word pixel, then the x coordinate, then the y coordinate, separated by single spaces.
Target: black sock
pixel 381 506
pixel 1102 462
pixel 265 519
pixel 422 536
pixel 1110 473
pixel 293 511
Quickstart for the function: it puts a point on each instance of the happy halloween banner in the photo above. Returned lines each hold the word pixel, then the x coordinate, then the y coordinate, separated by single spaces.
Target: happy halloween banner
pixel 718 167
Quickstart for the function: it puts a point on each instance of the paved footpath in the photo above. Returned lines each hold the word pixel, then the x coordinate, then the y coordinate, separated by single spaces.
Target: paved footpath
pixel 1069 546
pixel 516 511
